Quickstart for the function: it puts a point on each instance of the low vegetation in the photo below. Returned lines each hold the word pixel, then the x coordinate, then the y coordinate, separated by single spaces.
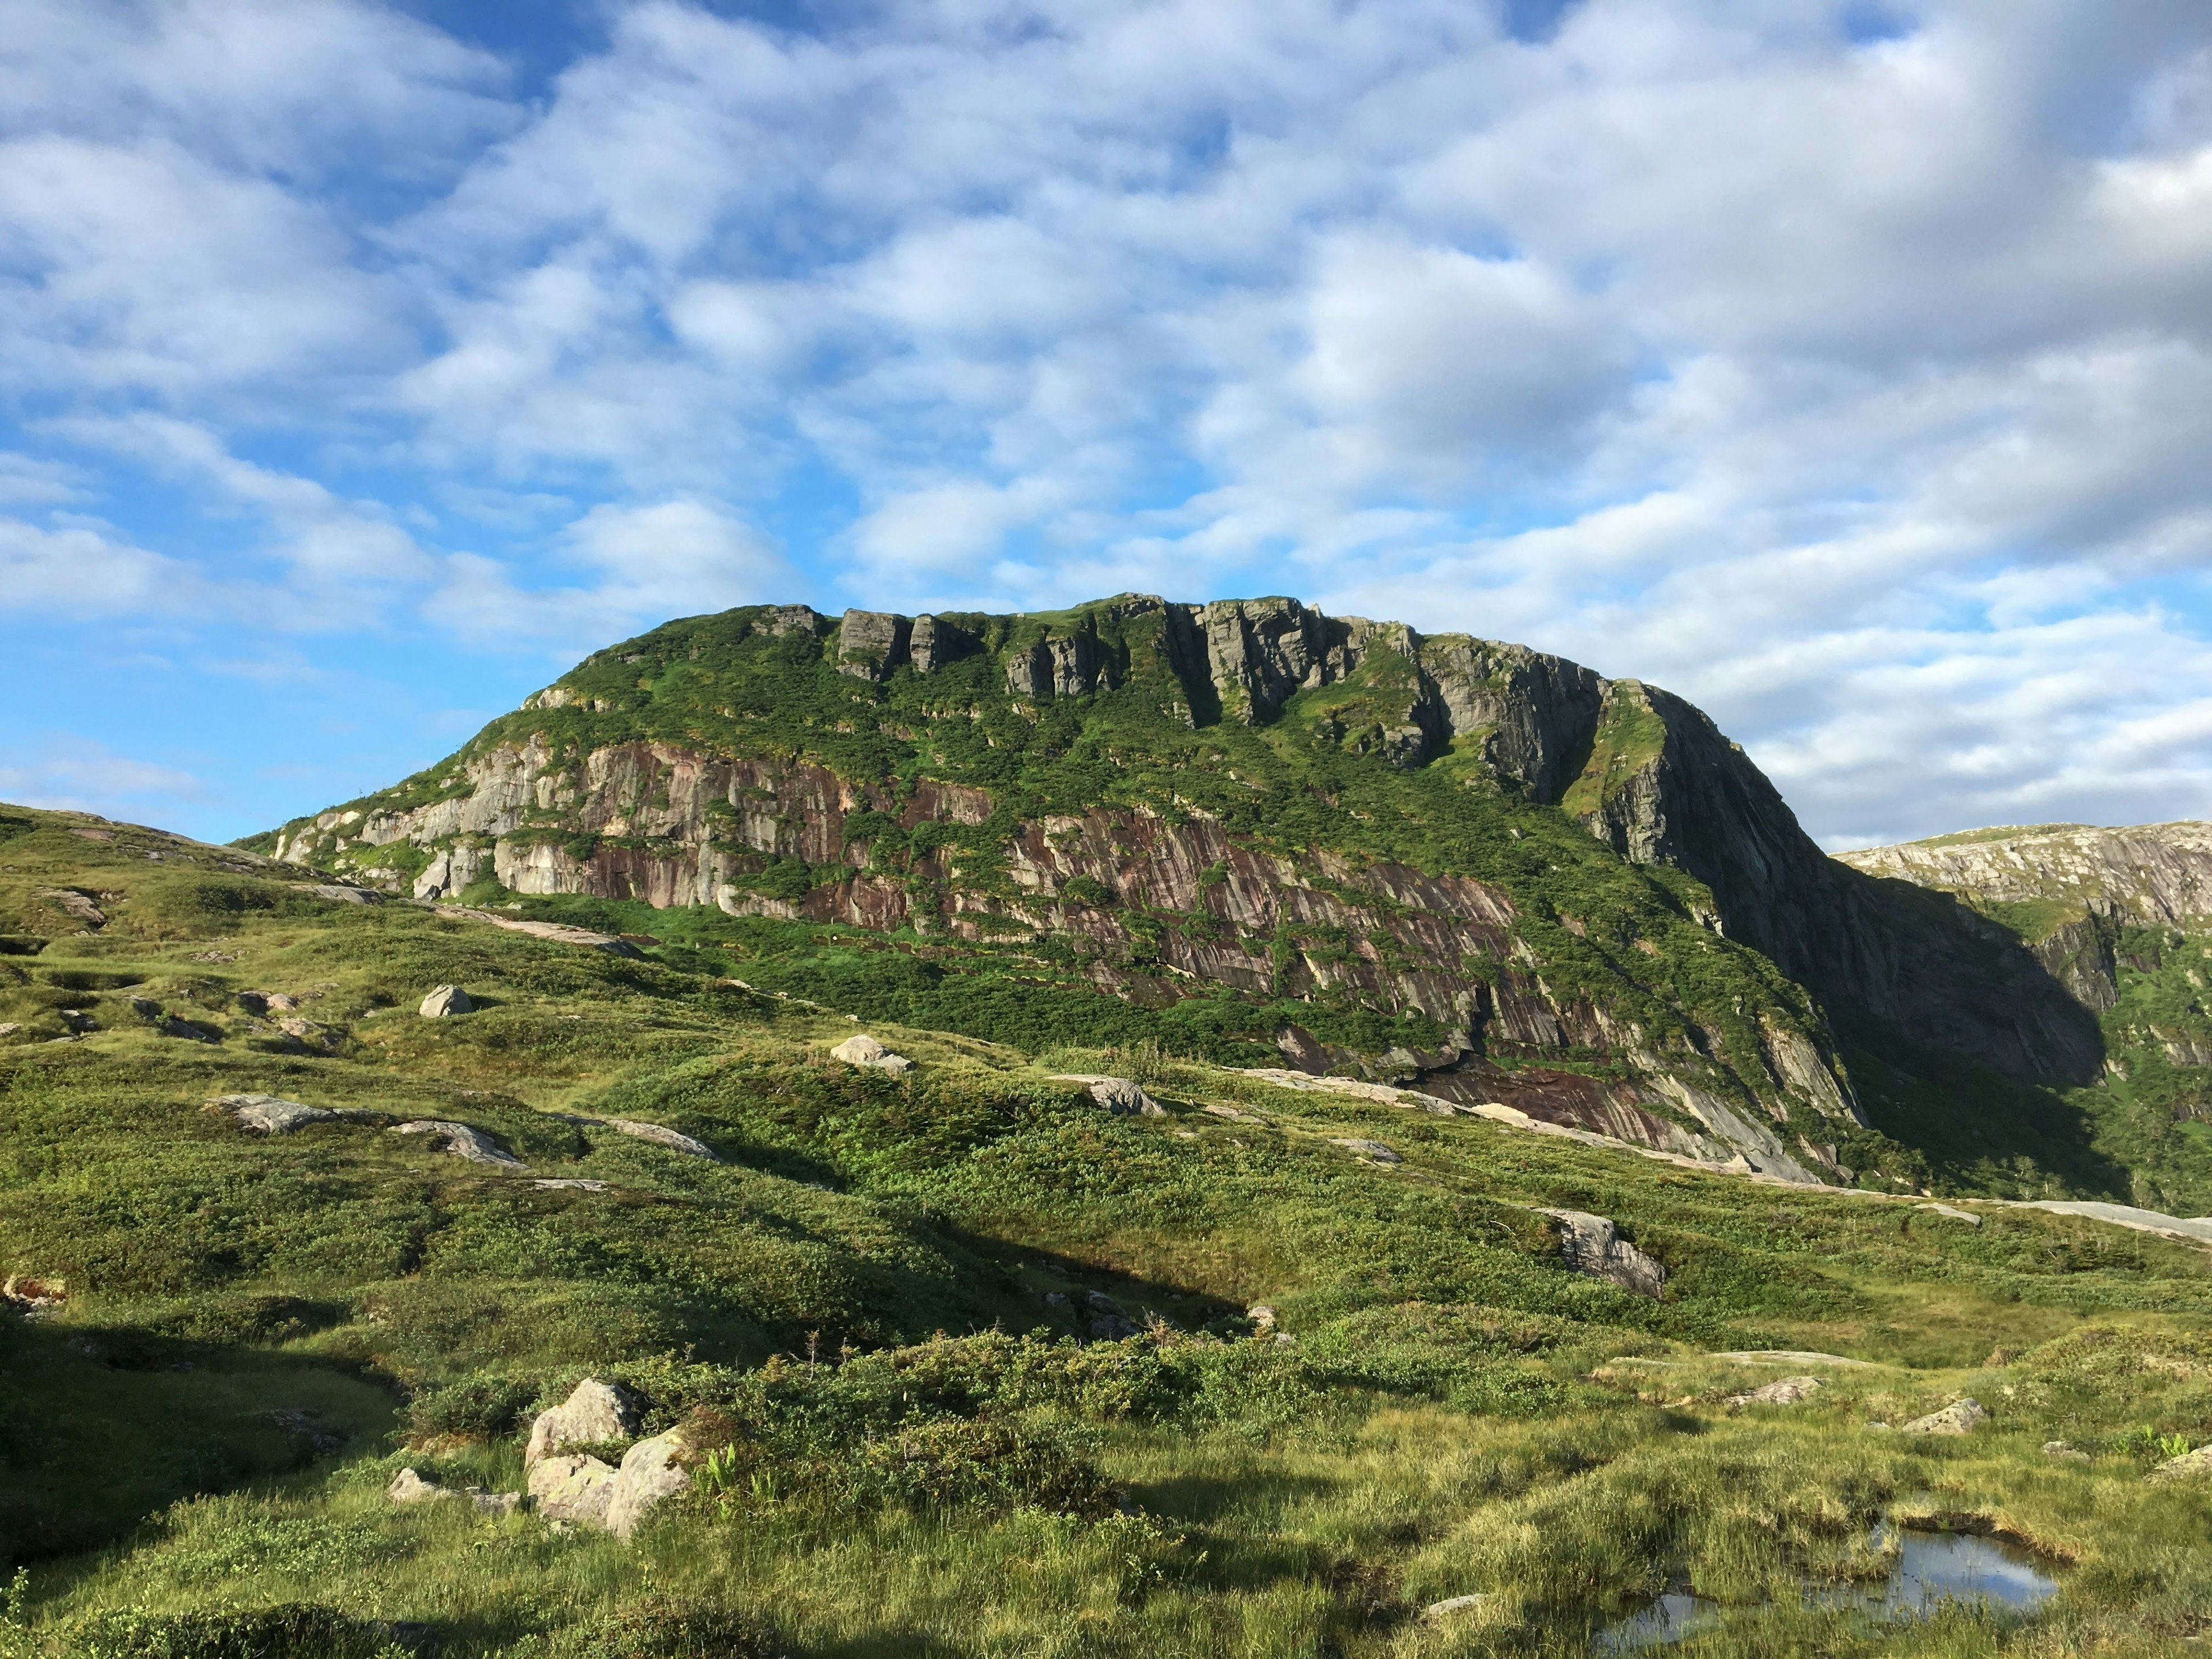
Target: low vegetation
pixel 972 1367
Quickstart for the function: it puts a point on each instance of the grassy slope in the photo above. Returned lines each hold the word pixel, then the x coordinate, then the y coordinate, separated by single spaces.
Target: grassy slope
pixel 1446 1419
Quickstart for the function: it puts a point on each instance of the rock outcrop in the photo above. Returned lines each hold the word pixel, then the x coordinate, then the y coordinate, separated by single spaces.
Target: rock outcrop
pixel 868 1054
pixel 1960 1417
pixel 1591 1244
pixel 444 1001
pixel 1117 1095
pixel 461 1140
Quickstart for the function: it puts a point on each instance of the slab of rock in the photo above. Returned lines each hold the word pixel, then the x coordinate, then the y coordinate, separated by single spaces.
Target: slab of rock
pixel 461 1141
pixel 864 1051
pixel 337 895
pixel 652 1473
pixel 1455 1606
pixel 147 1009
pixel 1966 1216
pixel 1118 1095
pixel 661 1136
pixel 494 1502
pixel 2064 1453
pixel 2185 1466
pixel 78 906
pixel 1960 1417
pixel 272 1115
pixel 1591 1244
pixel 1369 1149
pixel 1109 1321
pixel 593 1414
pixel 267 1002
pixel 446 999
pixel 189 1032
pixel 576 1182
pixel 409 1488
pixel 558 932
pixel 1784 1391
pixel 574 1488
pixel 1793 1356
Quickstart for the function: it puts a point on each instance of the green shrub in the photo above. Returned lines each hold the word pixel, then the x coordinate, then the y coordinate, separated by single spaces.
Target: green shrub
pixel 668 1627
pixel 295 1630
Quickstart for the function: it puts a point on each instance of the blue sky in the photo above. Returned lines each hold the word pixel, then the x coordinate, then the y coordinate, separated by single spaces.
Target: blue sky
pixel 1845 367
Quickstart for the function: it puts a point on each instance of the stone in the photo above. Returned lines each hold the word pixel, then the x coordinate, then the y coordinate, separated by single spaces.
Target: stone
pixel 1109 1323
pixel 574 1488
pixel 593 1414
pixel 460 1140
pixel 409 1488
pixel 186 1030
pixel 1262 1315
pixel 1793 1356
pixel 273 1115
pixel 79 1023
pixel 1960 1417
pixel 147 1009
pixel 1117 1095
pixel 650 1474
pixel 932 642
pixel 494 1503
pixel 661 1135
pixel 2185 1466
pixel 1368 1149
pixel 30 1293
pixel 78 906
pixel 2064 1453
pixel 576 1182
pixel 1591 1244
pixel 872 643
pixel 863 1050
pixel 444 1001
pixel 1784 1391
pixel 9 1028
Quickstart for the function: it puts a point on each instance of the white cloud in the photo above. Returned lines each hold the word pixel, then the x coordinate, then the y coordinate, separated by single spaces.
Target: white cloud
pixel 1859 389
pixel 79 775
pixel 83 572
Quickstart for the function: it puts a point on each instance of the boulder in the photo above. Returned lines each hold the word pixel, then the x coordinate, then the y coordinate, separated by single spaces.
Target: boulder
pixel 272 1115
pixel 1374 1150
pixel 576 1182
pixel 1109 1323
pixel 2184 1467
pixel 652 1471
pixel 1117 1095
pixel 1784 1391
pixel 9 1028
pixel 409 1488
pixel 864 1051
pixel 460 1140
pixel 1455 1606
pixel 572 1487
pixel 593 1413
pixel 494 1502
pixel 2064 1453
pixel 1951 1213
pixel 1591 1244
pixel 1960 1417
pixel 147 1009
pixel 446 999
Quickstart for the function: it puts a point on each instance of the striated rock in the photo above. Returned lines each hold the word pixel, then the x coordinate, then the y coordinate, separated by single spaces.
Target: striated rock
pixel 866 1052
pixel 935 642
pixel 593 1414
pixel 460 1140
pixel 1960 1417
pixel 1784 1391
pixel 1117 1095
pixel 444 1001
pixel 572 1487
pixel 78 906
pixel 1591 1244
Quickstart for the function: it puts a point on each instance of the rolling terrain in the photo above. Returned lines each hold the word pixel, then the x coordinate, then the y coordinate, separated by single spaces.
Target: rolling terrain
pixel 1387 1146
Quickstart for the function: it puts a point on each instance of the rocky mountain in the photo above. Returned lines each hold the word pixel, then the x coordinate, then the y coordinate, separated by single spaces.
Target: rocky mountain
pixel 1346 844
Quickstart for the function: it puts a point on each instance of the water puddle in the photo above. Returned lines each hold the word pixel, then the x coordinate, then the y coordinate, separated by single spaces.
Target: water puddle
pixel 1932 1568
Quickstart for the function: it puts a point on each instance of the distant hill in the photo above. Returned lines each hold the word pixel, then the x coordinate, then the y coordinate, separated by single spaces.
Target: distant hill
pixel 1251 831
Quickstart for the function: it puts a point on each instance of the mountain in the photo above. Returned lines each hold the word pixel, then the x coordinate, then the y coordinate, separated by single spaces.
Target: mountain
pixel 1250 831
pixel 2122 918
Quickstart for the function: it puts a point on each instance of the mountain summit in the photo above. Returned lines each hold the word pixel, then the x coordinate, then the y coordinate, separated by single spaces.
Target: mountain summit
pixel 1341 844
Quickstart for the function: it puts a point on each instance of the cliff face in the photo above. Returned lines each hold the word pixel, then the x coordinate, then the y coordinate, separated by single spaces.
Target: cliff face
pixel 2158 874
pixel 1247 795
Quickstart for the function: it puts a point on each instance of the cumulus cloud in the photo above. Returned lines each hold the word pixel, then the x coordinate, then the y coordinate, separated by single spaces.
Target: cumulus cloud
pixel 1853 381
pixel 79 775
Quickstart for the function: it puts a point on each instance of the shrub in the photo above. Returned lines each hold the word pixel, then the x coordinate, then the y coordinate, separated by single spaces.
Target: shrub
pixel 668 1627
pixel 293 1629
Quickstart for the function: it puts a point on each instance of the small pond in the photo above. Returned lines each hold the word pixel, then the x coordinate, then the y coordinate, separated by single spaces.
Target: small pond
pixel 1932 1568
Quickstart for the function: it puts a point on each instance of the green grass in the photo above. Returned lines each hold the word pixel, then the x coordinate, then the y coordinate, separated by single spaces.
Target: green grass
pixel 1454 1413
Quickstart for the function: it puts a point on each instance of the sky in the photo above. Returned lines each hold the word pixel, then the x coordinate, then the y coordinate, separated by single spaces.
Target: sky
pixel 1844 367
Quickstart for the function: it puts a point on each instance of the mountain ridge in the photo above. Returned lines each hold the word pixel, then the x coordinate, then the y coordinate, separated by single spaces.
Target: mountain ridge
pixel 1574 894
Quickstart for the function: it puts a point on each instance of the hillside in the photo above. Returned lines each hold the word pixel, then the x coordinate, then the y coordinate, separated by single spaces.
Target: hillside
pixel 1248 830
pixel 962 1362
pixel 2122 919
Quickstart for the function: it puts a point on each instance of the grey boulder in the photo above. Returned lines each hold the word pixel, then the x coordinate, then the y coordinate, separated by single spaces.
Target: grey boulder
pixel 460 1140
pixel 446 999
pixel 1118 1095
pixel 572 1487
pixel 272 1115
pixel 864 1051
pixel 1784 1391
pixel 1374 1151
pixel 593 1414
pixel 650 1474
